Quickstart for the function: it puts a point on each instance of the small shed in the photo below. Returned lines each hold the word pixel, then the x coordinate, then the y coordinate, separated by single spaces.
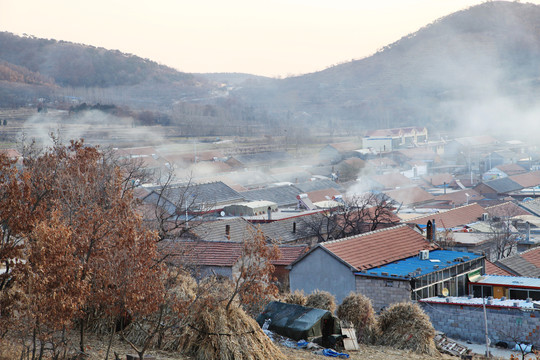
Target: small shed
pixel 299 322
pixel 251 208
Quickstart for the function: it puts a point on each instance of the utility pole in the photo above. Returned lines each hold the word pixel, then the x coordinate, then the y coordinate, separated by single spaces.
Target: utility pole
pixel 485 325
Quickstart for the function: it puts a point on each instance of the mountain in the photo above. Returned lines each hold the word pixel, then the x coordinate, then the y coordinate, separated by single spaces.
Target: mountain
pixel 480 58
pixel 467 71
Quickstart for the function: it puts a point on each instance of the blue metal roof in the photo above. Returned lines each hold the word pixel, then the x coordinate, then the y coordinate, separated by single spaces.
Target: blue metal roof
pixel 413 267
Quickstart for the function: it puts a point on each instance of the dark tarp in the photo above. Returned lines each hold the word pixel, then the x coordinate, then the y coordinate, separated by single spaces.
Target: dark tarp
pixel 299 322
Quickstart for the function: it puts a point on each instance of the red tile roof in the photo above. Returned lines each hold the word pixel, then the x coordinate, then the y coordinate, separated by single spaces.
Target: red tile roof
pixel 529 179
pixel 532 256
pixel 392 181
pixel 378 247
pixel 507 209
pixel 438 179
pixel 221 253
pixel 410 195
pixel 321 195
pixel 289 254
pixel 492 269
pixel 460 197
pixel 459 216
pixel 511 169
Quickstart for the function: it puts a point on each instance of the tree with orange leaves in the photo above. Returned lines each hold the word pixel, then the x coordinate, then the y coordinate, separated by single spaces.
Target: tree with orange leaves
pixel 78 245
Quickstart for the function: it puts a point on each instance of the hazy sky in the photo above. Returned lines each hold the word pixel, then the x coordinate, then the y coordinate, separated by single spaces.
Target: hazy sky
pixel 272 37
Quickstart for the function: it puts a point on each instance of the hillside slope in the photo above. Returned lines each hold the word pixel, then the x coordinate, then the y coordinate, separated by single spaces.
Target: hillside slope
pixel 432 76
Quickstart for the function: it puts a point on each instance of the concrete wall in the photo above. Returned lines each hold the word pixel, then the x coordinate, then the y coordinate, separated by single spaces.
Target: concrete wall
pixel 383 292
pixel 467 323
pixel 320 270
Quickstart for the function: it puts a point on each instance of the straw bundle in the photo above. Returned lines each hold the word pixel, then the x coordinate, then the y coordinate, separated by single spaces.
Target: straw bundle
pixel 321 300
pixel 215 332
pixel 406 326
pixel 297 297
pixel 357 309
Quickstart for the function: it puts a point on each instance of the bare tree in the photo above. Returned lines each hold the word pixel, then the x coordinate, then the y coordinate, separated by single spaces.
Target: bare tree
pixel 357 215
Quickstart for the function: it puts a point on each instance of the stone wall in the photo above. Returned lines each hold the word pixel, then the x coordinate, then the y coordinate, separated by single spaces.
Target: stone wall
pixel 383 292
pixel 466 322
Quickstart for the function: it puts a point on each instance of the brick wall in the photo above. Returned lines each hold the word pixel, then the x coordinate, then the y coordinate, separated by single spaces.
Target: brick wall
pixel 383 292
pixel 467 323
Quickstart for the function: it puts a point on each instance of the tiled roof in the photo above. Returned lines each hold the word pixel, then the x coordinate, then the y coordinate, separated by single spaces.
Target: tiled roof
pixel 409 196
pixel 282 230
pixel 529 179
pixel 507 209
pixel 438 179
pixel 220 253
pixel 206 195
pixel 202 253
pixel 378 247
pixel 520 265
pixel 322 195
pixel 391 181
pixel 511 169
pixel 239 229
pixel 503 185
pixel 460 197
pixel 493 269
pixel 289 254
pixel 281 195
pixel 532 256
pixel 315 185
pixel 459 216
pixel 532 206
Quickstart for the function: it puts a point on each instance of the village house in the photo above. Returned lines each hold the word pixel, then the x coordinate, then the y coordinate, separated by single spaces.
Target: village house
pixel 206 258
pixel 390 265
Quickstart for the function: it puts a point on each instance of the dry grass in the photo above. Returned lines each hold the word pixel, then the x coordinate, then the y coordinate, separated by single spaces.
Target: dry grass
pixel 406 326
pixel 219 333
pixel 321 300
pixel 357 309
pixel 297 297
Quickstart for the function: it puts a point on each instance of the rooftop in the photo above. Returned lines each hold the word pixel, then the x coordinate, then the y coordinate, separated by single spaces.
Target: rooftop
pixel 459 216
pixel 414 266
pixel 514 281
pixel 409 196
pixel 281 195
pixel 377 248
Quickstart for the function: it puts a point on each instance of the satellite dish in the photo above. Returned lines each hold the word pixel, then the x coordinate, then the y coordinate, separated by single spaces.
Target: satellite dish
pixel 445 292
pixel 222 213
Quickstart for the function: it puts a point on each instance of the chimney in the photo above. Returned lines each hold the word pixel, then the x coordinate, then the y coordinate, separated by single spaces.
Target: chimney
pixel 528 231
pixel 269 212
pixel 434 231
pixel 228 232
pixel 429 231
pixel 294 227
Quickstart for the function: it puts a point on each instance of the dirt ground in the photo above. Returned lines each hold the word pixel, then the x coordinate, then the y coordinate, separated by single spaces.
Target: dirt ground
pixel 96 349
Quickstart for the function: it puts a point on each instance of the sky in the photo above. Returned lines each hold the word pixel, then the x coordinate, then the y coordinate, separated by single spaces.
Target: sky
pixel 276 38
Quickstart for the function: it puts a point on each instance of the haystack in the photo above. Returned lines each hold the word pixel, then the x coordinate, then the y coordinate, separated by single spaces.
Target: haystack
pixel 406 326
pixel 321 300
pixel 215 332
pixel 297 297
pixel 357 309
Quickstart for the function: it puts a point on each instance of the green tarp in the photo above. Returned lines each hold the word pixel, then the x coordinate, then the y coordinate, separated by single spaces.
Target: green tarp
pixel 299 322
